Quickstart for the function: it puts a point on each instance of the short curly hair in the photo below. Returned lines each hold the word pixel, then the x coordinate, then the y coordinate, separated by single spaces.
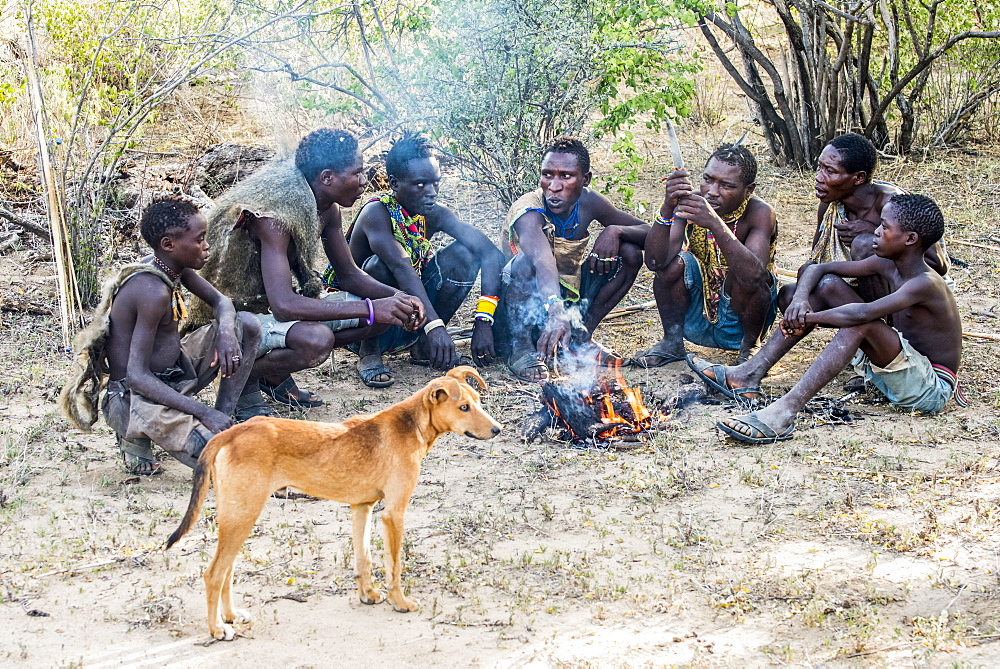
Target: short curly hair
pixel 739 156
pixel 919 214
pixel 325 149
pixel 564 144
pixel 166 214
pixel 857 153
pixel 411 146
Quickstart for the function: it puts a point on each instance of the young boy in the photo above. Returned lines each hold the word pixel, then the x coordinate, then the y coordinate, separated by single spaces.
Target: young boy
pixel 914 363
pixel 154 373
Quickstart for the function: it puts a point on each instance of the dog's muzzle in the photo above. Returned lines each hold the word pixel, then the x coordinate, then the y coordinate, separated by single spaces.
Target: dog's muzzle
pixel 493 432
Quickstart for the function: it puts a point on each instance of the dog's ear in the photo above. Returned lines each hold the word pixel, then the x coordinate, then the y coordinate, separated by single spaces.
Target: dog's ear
pixel 441 390
pixel 462 374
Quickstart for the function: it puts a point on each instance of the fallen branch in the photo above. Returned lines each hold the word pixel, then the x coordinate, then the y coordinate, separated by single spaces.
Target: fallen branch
pixel 879 650
pixel 92 565
pixel 981 335
pixel 27 226
pixel 975 244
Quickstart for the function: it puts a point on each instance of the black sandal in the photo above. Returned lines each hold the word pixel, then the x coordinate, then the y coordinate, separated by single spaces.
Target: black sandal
pixel 286 392
pixel 138 457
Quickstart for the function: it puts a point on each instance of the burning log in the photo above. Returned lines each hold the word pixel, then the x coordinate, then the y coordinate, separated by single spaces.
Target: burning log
pixel 569 406
pixel 609 410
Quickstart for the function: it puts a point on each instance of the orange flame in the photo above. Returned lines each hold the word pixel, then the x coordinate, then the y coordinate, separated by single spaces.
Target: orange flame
pixel 631 417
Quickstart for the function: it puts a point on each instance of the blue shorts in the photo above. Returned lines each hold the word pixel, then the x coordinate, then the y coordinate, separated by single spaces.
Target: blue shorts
pixel 727 332
pixel 909 382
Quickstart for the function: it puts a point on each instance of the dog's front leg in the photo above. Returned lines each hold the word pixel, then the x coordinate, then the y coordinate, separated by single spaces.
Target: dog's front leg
pixel 361 515
pixel 392 521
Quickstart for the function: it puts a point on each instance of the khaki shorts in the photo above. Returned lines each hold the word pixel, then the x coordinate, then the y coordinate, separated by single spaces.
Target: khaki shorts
pixel 909 382
pixel 273 331
pixel 135 417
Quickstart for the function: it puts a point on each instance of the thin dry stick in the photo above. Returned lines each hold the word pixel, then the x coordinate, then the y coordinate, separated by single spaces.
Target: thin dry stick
pixel 57 221
pixel 975 244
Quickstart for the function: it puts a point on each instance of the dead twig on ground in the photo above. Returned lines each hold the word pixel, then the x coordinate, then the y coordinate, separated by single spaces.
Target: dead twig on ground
pixel 25 224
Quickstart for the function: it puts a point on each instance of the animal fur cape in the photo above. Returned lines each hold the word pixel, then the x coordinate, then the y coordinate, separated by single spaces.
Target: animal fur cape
pixel 278 191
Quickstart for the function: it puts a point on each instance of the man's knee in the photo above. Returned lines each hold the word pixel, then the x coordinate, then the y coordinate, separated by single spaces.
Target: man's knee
pixel 251 328
pixel 631 256
pixel 521 270
pixel 785 294
pixel 378 270
pixel 750 293
pixel 861 247
pixel 312 341
pixel 671 273
pixel 458 263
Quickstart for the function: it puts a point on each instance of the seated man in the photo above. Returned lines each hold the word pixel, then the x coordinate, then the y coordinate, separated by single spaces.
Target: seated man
pixel 915 364
pixel 267 231
pixel 390 239
pixel 554 292
pixel 721 290
pixel 154 373
pixel 850 203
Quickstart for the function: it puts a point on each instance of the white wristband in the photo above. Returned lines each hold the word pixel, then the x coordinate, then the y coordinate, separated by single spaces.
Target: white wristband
pixel 434 324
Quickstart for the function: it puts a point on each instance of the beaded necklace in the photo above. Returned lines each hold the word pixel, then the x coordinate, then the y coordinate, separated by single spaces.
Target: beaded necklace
pixel 177 306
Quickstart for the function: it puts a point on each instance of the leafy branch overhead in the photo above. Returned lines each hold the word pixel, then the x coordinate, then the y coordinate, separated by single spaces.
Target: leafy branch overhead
pixel 492 80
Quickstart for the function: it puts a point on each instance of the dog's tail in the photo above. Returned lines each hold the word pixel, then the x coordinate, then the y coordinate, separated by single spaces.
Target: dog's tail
pixel 202 479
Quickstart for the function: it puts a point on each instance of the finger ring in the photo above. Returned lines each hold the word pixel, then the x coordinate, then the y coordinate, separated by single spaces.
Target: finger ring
pixel 593 255
pixel 235 358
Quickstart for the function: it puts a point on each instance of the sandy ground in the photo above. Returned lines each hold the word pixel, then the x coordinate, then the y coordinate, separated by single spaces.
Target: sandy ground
pixel 874 542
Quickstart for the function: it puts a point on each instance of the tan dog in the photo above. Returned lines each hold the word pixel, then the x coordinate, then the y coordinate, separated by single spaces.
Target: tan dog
pixel 358 462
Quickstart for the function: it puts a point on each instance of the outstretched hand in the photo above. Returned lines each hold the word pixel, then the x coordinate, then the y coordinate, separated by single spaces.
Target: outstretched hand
pixel 401 309
pixel 557 332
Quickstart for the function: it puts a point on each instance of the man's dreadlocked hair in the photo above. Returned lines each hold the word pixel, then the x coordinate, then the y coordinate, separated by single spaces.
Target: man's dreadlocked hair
pixel 739 156
pixel 411 146
pixel 170 212
pixel 564 144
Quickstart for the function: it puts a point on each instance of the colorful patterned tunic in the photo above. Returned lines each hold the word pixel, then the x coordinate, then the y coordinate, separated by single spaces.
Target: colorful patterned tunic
pixel 409 231
pixel 702 245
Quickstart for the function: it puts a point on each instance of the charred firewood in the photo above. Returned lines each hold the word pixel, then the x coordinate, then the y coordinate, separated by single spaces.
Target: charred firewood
pixel 571 408
pixel 534 425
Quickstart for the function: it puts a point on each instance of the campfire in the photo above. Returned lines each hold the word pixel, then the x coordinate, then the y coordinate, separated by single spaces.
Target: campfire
pixel 605 410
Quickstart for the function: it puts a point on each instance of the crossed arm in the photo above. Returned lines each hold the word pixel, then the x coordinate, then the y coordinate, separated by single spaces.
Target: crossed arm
pixel 799 313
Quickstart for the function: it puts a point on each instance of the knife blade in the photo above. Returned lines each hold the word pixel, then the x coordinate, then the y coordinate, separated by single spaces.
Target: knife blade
pixel 675 154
